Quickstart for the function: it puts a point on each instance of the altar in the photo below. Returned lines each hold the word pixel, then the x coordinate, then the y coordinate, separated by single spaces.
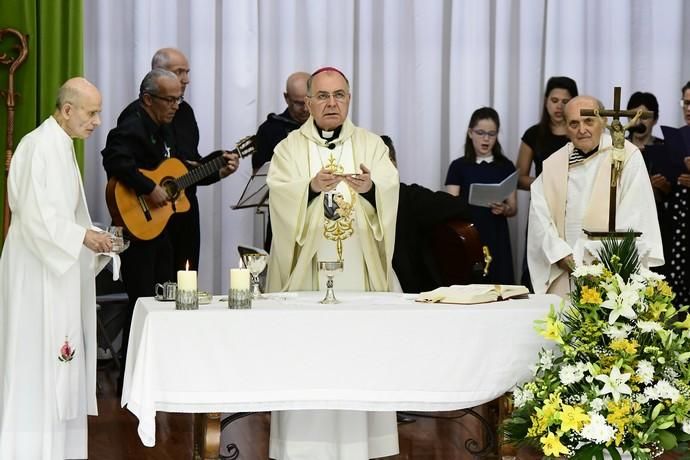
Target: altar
pixel 373 352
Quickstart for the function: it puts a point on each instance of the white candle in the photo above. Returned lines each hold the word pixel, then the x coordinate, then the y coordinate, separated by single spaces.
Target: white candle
pixel 239 278
pixel 186 280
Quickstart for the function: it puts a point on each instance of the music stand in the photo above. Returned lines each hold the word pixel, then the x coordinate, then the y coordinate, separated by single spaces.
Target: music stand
pixel 255 193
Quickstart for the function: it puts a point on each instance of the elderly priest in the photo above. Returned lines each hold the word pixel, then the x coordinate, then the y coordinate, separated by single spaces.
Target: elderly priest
pixel 572 194
pixel 47 289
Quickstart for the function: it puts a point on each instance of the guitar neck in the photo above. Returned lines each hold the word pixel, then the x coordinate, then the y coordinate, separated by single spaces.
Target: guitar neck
pixel 201 172
pixel 243 148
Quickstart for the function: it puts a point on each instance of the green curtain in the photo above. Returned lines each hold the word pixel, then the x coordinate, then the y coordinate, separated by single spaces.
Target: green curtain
pixel 56 53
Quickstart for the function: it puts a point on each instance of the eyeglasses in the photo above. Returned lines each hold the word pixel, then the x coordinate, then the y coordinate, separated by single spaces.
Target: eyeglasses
pixel 684 103
pixel 482 133
pixel 170 100
pixel 323 96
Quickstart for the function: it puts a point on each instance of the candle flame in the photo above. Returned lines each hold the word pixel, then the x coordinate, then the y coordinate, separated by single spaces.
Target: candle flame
pixel 240 264
pixel 186 267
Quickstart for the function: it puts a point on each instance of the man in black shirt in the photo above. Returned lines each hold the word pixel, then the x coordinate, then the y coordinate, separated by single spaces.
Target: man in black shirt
pixel 277 127
pixel 145 135
pixel 183 228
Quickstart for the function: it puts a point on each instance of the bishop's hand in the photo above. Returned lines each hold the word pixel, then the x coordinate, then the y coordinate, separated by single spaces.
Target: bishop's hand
pixel 361 183
pixel 324 181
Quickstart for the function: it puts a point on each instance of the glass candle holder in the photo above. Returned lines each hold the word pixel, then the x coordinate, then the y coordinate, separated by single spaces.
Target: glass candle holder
pixel 186 299
pixel 239 299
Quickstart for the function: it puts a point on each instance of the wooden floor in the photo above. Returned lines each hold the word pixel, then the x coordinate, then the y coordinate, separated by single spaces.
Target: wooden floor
pixel 113 434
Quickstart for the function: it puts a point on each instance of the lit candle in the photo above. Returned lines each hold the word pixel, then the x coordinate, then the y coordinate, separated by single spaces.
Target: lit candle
pixel 239 278
pixel 186 279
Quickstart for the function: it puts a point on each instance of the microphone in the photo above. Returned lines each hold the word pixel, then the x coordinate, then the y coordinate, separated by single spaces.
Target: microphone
pixel 638 129
pixel 331 146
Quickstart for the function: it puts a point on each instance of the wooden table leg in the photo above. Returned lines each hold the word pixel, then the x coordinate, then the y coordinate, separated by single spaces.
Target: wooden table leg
pixel 207 436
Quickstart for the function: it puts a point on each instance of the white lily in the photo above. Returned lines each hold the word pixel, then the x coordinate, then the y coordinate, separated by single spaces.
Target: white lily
pixel 614 383
pixel 621 304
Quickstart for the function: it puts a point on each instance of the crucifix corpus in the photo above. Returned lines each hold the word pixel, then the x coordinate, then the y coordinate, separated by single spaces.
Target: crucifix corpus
pixel 617 131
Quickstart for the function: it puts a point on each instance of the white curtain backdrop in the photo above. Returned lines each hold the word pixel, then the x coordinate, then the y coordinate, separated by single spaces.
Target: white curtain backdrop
pixel 418 69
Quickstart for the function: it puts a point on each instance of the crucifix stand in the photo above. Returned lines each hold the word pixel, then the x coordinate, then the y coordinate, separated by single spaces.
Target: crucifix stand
pixel 617 131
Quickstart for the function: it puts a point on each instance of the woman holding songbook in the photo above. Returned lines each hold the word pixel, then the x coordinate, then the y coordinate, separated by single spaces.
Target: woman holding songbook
pixel 485 163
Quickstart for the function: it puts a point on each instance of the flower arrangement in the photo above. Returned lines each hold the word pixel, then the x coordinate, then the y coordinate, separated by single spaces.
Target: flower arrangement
pixel 618 376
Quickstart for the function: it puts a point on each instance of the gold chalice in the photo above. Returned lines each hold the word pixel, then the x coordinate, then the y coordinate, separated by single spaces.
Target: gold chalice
pixel 330 269
pixel 255 263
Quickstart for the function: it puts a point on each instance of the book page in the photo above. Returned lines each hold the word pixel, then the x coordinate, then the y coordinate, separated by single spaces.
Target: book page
pixel 466 294
pixel 485 194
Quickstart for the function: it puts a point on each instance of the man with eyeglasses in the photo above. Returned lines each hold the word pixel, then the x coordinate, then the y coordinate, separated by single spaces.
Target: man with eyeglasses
pixel 572 193
pixel 333 196
pixel 183 228
pixel 143 138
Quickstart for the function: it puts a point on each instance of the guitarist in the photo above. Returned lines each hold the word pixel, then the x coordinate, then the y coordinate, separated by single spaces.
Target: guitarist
pixel 142 139
pixel 183 228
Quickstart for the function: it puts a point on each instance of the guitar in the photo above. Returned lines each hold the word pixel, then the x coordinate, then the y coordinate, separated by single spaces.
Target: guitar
pixel 132 211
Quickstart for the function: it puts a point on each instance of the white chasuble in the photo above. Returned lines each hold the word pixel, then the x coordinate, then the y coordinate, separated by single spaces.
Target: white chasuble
pixel 299 243
pixel 565 200
pixel 47 304
pixel 339 217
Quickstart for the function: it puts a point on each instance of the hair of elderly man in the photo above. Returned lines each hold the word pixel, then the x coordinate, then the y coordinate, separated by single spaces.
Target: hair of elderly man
pixel 599 104
pixel 149 85
pixel 67 94
pixel 310 81
pixel 161 59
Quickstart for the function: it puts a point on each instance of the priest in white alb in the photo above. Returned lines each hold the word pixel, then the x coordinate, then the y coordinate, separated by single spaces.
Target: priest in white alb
pixel 333 196
pixel 47 289
pixel 572 194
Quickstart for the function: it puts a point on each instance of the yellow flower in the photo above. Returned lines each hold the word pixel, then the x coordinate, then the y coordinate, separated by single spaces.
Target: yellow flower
pixel 551 445
pixel 552 330
pixel 664 289
pixel 590 295
pixel 573 418
pixel 624 345
pixel 656 309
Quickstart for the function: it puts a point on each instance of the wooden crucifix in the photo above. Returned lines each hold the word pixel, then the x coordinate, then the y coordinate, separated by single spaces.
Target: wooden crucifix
pixel 617 131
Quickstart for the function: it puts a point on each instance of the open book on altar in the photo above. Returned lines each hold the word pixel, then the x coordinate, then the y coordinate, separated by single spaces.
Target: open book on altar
pixel 473 293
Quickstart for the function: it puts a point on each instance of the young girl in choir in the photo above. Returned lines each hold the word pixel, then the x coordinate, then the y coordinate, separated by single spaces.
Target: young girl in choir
pixel 484 163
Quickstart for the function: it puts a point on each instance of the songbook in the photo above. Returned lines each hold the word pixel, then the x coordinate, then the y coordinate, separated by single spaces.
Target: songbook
pixel 667 158
pixel 485 194
pixel 473 293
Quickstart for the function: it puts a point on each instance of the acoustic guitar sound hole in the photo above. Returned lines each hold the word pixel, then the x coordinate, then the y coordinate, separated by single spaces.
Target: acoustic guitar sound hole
pixel 171 187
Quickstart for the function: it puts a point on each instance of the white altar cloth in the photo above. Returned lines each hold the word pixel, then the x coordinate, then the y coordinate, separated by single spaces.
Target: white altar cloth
pixel 373 352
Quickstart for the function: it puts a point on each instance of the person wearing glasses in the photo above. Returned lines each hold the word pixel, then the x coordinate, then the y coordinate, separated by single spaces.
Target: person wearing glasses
pixel 326 159
pixel 183 228
pixel 572 194
pixel 485 163
pixel 143 138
